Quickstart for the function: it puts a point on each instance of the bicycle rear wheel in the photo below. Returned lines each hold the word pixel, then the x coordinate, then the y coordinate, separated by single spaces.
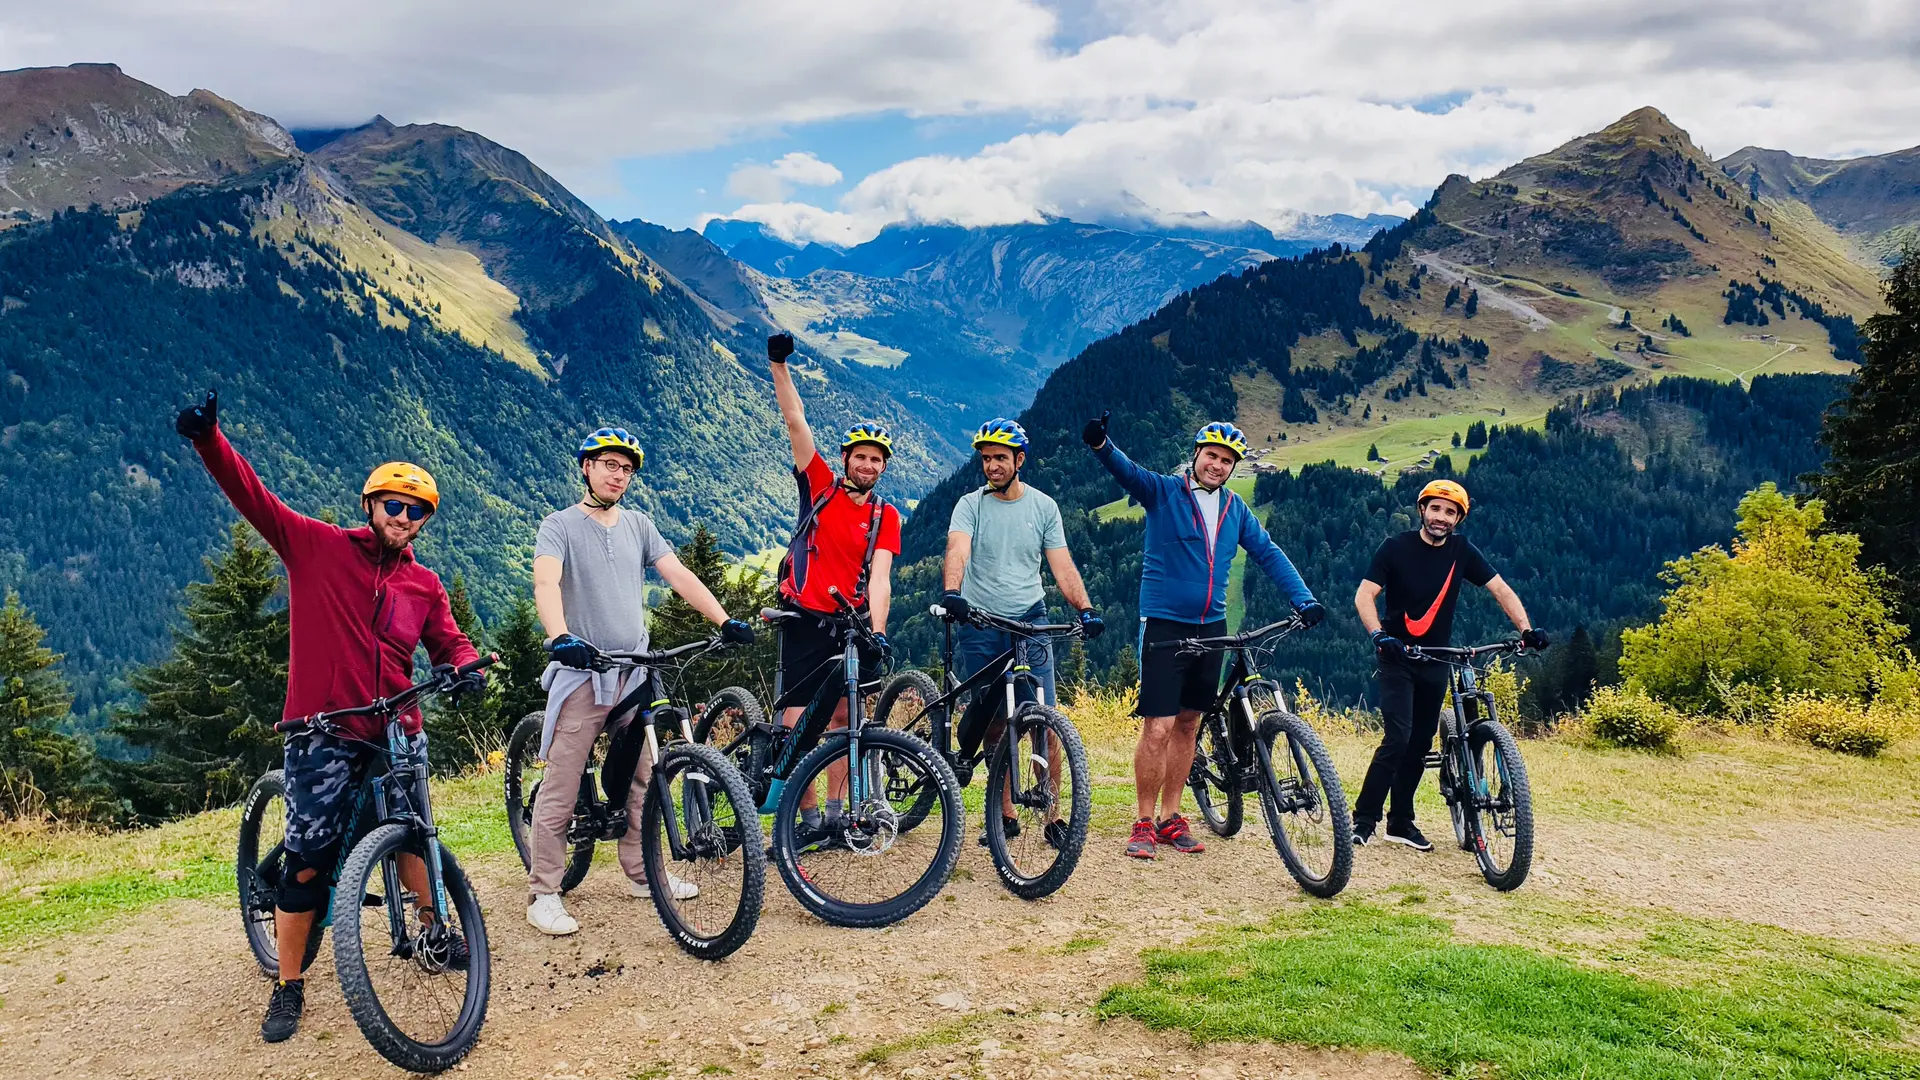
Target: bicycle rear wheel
pixel 722 856
pixel 729 723
pixel 904 706
pixel 1215 784
pixel 1040 766
pixel 1305 805
pixel 419 1010
pixel 524 773
pixel 861 868
pixel 259 861
pixel 1502 818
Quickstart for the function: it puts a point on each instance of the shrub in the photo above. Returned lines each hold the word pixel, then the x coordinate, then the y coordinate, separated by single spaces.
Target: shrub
pixel 1834 724
pixel 1105 716
pixel 1627 716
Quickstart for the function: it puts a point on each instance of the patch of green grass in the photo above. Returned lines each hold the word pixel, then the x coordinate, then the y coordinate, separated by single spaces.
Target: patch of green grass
pixel 1082 942
pixel 833 1007
pixel 715 1070
pixel 944 1035
pixel 651 1072
pixel 1770 1004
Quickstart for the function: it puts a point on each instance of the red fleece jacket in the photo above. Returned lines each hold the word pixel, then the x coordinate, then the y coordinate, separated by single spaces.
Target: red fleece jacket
pixel 358 610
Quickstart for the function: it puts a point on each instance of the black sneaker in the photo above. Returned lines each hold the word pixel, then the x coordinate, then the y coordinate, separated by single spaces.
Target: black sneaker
pixel 830 834
pixel 1056 834
pixel 1011 826
pixel 1409 834
pixel 1362 833
pixel 283 1011
pixel 459 957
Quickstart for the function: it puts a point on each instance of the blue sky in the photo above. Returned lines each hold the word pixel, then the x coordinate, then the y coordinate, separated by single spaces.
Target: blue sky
pixel 987 111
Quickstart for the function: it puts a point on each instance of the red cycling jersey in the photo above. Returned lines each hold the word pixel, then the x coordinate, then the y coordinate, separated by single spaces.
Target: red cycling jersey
pixel 836 545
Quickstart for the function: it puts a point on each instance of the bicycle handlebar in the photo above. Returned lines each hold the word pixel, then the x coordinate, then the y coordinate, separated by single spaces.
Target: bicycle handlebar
pixel 986 620
pixel 1285 626
pixel 1451 655
pixel 389 705
pixel 607 661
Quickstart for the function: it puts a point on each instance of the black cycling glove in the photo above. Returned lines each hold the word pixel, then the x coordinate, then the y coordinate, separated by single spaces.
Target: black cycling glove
pixel 571 652
pixel 1312 613
pixel 779 347
pixel 1095 433
pixel 1535 639
pixel 955 606
pixel 1090 625
pixel 1389 646
pixel 196 422
pixel 884 647
pixel 735 632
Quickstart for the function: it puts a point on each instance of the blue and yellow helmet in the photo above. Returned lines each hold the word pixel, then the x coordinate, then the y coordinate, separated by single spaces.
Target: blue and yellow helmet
pixel 868 431
pixel 611 439
pixel 1001 431
pixel 1220 433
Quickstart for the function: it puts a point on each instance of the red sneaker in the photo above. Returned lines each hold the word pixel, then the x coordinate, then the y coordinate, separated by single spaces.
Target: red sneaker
pixel 1141 845
pixel 1174 833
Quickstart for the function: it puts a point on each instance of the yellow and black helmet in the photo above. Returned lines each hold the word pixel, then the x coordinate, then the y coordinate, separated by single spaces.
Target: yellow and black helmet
pixel 615 439
pixel 1001 431
pixel 868 431
pixel 1220 433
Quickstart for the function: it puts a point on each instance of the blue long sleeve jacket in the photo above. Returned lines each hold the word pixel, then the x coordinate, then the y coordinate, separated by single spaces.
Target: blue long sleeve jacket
pixel 1185 577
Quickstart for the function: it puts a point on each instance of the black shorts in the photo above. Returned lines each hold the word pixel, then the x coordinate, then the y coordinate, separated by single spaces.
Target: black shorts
pixel 1172 683
pixel 808 645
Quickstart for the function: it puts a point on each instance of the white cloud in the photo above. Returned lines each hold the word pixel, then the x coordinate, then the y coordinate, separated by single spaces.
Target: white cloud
pixel 772 183
pixel 1235 107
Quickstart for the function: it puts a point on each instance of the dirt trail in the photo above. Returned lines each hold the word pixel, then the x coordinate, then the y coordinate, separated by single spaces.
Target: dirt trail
pixel 173 993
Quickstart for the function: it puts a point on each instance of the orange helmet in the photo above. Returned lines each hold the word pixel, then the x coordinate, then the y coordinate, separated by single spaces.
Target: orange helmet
pixel 1444 489
pixel 403 478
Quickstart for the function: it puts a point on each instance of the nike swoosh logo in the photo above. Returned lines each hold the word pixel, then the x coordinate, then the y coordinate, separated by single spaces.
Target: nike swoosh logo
pixel 1419 627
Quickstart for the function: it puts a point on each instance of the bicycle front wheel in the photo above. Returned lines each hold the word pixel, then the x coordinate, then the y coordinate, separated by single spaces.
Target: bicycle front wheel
pixel 1502 818
pixel 1039 770
pixel 524 774
pixel 259 861
pixel 858 867
pixel 1304 805
pixel 905 705
pixel 1216 784
pixel 403 980
pixel 706 860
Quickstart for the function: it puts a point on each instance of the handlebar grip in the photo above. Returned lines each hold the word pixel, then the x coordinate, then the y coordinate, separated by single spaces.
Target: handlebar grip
pixel 476 664
pixel 290 725
pixel 937 611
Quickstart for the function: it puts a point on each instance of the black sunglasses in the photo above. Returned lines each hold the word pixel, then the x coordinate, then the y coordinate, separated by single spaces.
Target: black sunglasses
pixel 414 511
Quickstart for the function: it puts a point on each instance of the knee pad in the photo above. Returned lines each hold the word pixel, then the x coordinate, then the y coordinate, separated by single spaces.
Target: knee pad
pixel 295 896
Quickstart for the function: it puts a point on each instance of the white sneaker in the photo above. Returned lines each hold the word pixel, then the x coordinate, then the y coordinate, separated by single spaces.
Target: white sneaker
pixel 549 916
pixel 682 889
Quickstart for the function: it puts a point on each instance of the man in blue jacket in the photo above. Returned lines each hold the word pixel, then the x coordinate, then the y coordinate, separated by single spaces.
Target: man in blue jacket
pixel 1193 525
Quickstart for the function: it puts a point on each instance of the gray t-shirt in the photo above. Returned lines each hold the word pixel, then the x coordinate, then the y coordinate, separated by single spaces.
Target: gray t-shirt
pixel 1009 539
pixel 603 574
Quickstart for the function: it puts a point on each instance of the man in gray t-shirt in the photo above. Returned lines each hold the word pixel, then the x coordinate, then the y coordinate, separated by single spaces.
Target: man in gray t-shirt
pixel 590 566
pixel 996 541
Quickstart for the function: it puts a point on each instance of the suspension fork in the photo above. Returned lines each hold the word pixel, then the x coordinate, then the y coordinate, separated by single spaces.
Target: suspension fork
pixel 858 782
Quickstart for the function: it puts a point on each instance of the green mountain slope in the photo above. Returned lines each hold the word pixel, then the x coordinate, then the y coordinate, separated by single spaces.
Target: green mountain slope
pixel 1873 201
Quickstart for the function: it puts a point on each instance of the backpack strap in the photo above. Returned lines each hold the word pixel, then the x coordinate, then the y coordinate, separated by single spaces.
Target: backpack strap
pixel 873 541
pixel 801 532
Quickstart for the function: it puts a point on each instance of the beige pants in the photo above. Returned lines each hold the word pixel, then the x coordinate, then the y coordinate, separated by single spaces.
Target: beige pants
pixel 574 730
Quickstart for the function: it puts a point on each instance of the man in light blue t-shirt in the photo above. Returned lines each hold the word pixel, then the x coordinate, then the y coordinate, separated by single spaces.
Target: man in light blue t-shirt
pixel 997 539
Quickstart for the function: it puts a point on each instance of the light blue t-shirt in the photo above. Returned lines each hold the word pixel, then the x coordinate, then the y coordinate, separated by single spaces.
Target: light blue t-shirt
pixel 1010 540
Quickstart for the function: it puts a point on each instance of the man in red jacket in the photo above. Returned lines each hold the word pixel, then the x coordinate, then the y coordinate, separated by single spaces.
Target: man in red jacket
pixel 359 605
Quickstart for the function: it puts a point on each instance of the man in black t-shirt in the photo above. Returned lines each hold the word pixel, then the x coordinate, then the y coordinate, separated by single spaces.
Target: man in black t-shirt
pixel 1420 574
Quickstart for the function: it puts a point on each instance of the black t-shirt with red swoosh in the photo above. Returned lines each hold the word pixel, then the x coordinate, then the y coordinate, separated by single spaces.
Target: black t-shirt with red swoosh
pixel 1421 583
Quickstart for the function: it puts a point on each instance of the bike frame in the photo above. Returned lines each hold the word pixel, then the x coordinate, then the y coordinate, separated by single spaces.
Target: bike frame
pixel 1004 668
pixel 1241 677
pixel 1455 759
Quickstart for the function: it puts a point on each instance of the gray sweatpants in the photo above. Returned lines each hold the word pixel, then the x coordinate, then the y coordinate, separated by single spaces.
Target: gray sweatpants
pixel 578 724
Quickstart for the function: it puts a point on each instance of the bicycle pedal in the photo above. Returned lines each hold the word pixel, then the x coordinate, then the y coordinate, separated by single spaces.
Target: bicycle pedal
pixel 1433 759
pixel 372 899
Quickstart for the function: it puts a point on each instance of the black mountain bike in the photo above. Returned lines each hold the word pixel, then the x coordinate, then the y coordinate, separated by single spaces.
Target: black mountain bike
pixel 864 866
pixel 1036 763
pixel 1249 741
pixel 1482 776
pixel 417 1006
pixel 699 829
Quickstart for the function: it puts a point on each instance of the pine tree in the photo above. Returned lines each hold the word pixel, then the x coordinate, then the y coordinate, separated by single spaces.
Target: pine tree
pixel 1580 670
pixel 1071 680
pixel 42 770
pixel 1476 435
pixel 523 659
pixel 1473 304
pixel 460 733
pixel 742 591
pixel 1871 484
pixel 207 712
pixel 1373 452
pixel 1456 440
pixel 1125 675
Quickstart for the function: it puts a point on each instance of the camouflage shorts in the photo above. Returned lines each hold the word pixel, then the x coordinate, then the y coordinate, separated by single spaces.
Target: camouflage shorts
pixel 324 792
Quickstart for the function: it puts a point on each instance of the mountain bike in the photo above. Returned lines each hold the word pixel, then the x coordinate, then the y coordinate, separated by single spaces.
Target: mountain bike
pixel 404 986
pixel 699 824
pixel 861 867
pixel 1239 748
pixel 1482 776
pixel 1036 763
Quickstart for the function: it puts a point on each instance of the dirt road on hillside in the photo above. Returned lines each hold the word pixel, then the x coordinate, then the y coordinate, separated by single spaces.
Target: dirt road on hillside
pixel 173 993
